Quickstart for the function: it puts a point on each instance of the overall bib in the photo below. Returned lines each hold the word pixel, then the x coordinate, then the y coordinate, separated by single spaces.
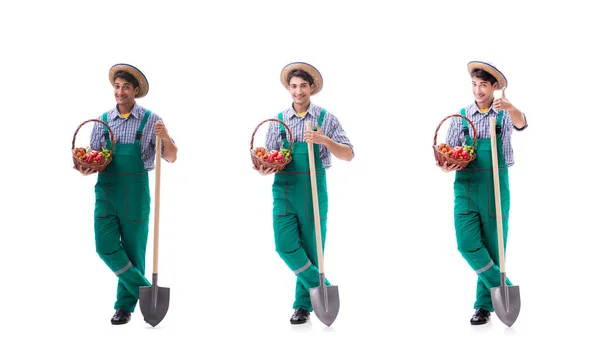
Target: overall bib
pixel 121 217
pixel 293 216
pixel 475 213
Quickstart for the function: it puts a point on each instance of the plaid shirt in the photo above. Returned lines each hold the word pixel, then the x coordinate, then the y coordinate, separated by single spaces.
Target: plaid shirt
pixel 455 136
pixel 331 127
pixel 124 130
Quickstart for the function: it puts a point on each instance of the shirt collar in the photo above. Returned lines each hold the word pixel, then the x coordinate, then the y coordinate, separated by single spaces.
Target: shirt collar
pixel 473 109
pixel 312 110
pixel 134 113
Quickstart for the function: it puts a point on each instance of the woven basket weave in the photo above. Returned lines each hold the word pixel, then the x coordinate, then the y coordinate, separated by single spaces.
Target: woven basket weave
pixel 257 161
pixel 96 167
pixel 441 157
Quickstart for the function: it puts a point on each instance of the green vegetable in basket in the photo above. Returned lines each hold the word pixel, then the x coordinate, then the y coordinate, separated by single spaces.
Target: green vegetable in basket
pixel 285 152
pixel 105 153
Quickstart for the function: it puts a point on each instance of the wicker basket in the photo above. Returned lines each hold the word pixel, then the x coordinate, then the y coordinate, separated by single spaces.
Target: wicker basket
pixel 441 157
pixel 267 165
pixel 96 167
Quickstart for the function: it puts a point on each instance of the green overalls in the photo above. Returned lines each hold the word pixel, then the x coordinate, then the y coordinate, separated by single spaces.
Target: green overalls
pixel 122 213
pixel 293 217
pixel 475 213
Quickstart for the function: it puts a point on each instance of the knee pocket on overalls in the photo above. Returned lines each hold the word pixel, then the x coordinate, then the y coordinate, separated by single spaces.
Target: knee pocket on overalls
pixel 106 246
pixel 466 241
pixel 287 238
pixel 101 205
pixel 461 196
pixel 280 199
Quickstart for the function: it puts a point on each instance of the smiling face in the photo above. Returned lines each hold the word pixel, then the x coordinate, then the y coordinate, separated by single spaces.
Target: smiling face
pixel 125 93
pixel 483 91
pixel 300 90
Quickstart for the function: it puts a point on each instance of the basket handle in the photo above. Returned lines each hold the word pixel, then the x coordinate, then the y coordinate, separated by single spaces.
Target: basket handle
pixel 112 136
pixel 272 120
pixel 452 116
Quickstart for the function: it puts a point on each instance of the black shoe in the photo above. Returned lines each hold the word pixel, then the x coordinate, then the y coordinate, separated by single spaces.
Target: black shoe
pixel 480 317
pixel 299 316
pixel 120 317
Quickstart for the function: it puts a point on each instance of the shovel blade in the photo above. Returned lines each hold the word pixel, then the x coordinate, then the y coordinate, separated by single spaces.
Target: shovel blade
pixel 507 303
pixel 325 302
pixel 154 303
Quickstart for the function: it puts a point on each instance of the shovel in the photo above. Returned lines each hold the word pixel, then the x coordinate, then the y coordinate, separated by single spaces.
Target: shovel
pixel 505 299
pixel 325 299
pixel 154 300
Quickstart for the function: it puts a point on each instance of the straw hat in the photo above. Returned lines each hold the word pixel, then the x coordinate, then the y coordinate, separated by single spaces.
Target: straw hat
pixel 311 70
pixel 137 74
pixel 502 82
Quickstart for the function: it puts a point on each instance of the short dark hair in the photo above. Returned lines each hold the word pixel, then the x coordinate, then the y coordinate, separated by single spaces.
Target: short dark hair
pixel 482 74
pixel 127 76
pixel 300 74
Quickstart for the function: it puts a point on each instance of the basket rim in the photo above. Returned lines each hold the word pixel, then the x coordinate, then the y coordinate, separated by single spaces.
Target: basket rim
pixel 453 116
pixel 112 135
pixel 272 120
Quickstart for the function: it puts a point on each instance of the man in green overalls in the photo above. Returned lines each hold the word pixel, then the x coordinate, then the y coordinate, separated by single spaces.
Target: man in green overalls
pixel 293 219
pixel 474 201
pixel 122 209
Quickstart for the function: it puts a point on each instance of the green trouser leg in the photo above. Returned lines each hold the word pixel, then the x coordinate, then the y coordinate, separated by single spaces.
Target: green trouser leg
pixel 300 256
pixel 307 231
pixel 476 232
pixel 294 226
pixel 134 240
pixel 122 257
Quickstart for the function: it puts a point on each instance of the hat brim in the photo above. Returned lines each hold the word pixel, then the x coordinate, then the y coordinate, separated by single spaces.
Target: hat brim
pixel 502 82
pixel 311 70
pixel 135 72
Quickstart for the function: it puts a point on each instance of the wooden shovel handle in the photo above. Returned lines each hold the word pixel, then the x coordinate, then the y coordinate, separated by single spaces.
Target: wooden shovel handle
pixel 315 200
pixel 156 202
pixel 497 192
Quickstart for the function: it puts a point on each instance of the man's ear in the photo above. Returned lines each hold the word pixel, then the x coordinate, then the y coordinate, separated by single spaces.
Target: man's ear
pixel 136 91
pixel 312 88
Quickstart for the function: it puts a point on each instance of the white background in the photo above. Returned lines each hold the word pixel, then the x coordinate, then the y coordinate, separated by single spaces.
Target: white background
pixel 391 74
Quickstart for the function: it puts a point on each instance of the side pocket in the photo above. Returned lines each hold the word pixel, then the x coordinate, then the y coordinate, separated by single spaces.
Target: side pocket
pixel 280 198
pixel 101 205
pixel 138 202
pixel 461 196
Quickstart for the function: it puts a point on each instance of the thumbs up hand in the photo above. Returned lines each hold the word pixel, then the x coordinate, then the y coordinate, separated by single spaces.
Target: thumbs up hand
pixel 500 102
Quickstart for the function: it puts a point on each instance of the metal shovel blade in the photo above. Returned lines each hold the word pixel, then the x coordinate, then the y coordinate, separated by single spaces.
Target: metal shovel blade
pixel 506 301
pixel 154 302
pixel 325 301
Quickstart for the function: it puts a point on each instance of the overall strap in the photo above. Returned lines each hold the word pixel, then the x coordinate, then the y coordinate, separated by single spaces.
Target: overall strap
pixel 106 135
pixel 282 133
pixel 465 125
pixel 138 134
pixel 321 117
pixel 499 123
